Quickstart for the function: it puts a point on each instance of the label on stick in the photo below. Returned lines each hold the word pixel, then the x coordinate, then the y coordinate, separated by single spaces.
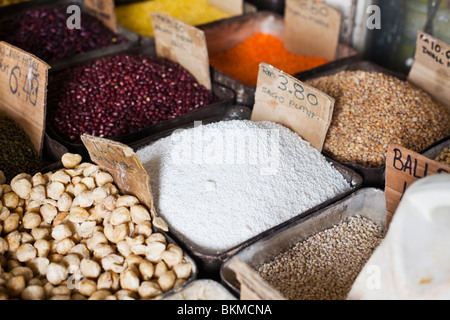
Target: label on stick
pixel 286 100
pixel 23 91
pixel 431 68
pixel 312 28
pixel 233 7
pixel 123 164
pixel 403 167
pixel 103 10
pixel 184 44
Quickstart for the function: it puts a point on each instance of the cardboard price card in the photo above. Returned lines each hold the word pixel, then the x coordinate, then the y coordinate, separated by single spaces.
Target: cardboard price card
pixel 284 99
pixel 312 28
pixel 234 7
pixel 431 68
pixel 184 44
pixel 23 91
pixel 252 286
pixel 403 167
pixel 103 10
pixel 123 164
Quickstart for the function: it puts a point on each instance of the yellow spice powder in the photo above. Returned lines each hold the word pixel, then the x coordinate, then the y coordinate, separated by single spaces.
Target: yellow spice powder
pixel 136 16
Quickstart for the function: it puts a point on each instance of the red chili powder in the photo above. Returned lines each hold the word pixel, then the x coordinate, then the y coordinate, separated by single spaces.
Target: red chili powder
pixel 242 61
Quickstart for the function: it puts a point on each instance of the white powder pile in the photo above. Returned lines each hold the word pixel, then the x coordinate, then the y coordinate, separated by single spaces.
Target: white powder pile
pixel 220 184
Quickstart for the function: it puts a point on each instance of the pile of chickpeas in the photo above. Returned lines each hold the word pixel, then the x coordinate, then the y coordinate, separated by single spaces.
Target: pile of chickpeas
pixel 70 234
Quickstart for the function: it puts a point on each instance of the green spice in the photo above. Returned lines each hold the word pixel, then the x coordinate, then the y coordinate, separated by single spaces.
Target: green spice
pixel 17 154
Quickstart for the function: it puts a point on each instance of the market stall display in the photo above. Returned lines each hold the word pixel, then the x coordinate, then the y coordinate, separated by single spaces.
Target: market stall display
pixel 17 151
pixel 120 94
pixel 378 109
pixel 204 150
pixel 135 16
pixel 71 234
pixel 235 181
pixel 319 256
pixel 127 96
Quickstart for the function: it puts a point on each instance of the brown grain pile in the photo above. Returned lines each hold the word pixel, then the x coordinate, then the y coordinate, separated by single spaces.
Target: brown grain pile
pixel 373 110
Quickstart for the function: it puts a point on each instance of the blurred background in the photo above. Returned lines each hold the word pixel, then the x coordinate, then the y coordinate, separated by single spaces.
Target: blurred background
pixel 393 46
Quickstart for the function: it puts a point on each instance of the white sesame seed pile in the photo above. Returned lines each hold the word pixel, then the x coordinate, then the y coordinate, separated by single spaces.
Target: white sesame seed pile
pixel 325 265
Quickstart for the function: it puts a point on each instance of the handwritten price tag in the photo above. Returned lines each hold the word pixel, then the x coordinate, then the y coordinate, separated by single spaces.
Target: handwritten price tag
pixel 312 28
pixel 234 7
pixel 431 68
pixel 123 164
pixel 284 99
pixel 103 10
pixel 23 91
pixel 403 167
pixel 184 44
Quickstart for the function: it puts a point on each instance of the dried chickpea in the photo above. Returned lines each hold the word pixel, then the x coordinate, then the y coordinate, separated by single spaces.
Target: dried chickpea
pixel 167 280
pixel 26 252
pixel 74 224
pixel 71 160
pixel 55 190
pixel 149 289
pixel 60 176
pixel 90 268
pixel 21 185
pixel 129 280
pixel 146 269
pixel 15 286
pixel 48 212
pixel 33 292
pixel 87 287
pixel 139 214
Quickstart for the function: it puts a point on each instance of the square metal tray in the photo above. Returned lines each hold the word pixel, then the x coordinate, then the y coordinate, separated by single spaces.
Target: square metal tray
pixel 367 202
pixel 224 95
pixel 225 34
pixel 373 177
pixel 132 39
pixel 209 263
pixel 437 148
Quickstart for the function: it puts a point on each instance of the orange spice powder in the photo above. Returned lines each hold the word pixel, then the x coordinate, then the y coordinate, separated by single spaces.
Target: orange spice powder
pixel 242 61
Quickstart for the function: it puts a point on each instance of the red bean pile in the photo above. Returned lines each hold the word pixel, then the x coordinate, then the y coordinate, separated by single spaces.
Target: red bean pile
pixel 43 31
pixel 121 94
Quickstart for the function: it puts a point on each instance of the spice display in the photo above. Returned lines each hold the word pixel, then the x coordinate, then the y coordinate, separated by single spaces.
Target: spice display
pixel 43 32
pixel 373 110
pixel 444 156
pixel 325 265
pixel 121 94
pixel 220 184
pixel 70 234
pixel 136 16
pixel 242 61
pixel 17 153
pixel 203 289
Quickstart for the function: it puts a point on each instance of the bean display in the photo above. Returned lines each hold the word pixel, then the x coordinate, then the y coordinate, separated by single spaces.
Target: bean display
pixel 120 94
pixel 70 234
pixel 43 32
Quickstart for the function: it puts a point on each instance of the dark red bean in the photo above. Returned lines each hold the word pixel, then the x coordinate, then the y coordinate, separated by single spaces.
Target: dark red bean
pixel 43 31
pixel 108 98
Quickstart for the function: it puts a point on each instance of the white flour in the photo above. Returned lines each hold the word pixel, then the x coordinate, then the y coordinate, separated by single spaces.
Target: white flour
pixel 221 184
